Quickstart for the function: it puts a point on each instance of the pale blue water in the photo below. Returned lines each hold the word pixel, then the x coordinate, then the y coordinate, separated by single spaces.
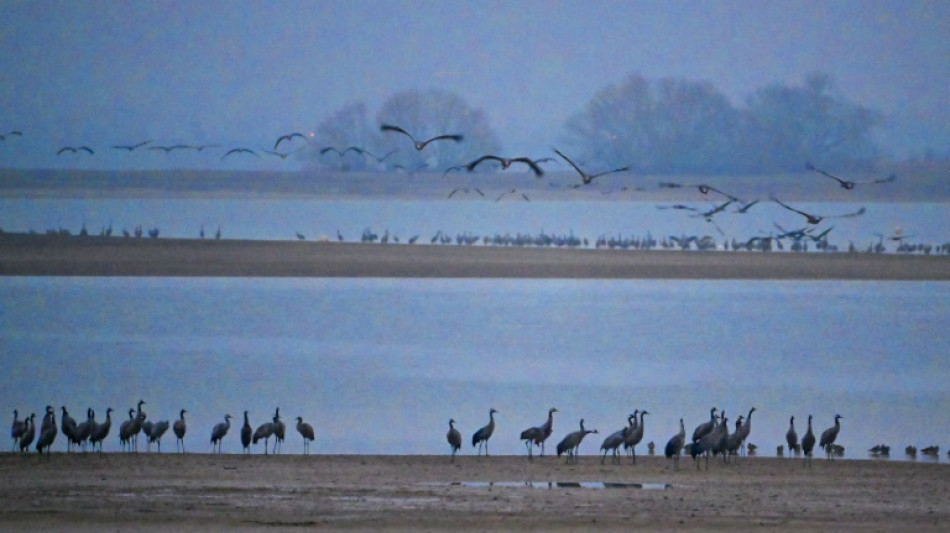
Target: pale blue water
pixel 280 219
pixel 379 366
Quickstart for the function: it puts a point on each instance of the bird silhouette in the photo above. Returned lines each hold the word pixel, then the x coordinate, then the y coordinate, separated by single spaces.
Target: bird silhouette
pixel 420 144
pixel 101 431
pixel 289 137
pixel 179 428
pixel 634 436
pixel 380 159
pixel 158 430
pixel 585 177
pixel 17 429
pixel 282 155
pixel 507 162
pixel 846 184
pixel 29 432
pixel 745 207
pixel 306 431
pixel 16 133
pixel 674 447
pixel 264 431
pixel 484 433
pixel 454 438
pixel 131 147
pixel 166 149
pixel 572 442
pixel 465 190
pixel 75 150
pixel 219 431
pixel 246 432
pixel 279 431
pixel 535 436
pixel 816 219
pixel 343 152
pixel 613 441
pixel 240 151
pixel 829 435
pixel 68 425
pixel 791 436
pixel 682 207
pixel 703 429
pixel 808 443
pixel 701 187
pixel 48 431
pixel 512 191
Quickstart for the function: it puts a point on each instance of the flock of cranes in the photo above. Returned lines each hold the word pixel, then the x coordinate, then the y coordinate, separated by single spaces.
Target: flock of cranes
pixel 90 432
pixel 725 202
pixel 710 438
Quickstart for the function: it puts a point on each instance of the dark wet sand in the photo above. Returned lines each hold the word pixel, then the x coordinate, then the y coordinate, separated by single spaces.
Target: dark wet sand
pixel 198 492
pixel 43 255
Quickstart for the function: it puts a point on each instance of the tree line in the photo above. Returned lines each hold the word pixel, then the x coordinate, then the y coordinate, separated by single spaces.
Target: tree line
pixel 665 126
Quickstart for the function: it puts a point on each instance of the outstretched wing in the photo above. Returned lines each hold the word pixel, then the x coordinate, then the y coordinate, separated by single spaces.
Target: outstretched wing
pixel 537 170
pixel 456 138
pixel 390 127
pixel 288 137
pixel 621 169
pixel 568 159
pixel 471 166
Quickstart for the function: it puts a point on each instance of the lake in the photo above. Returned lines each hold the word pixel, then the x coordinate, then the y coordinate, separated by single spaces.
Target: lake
pixel 380 365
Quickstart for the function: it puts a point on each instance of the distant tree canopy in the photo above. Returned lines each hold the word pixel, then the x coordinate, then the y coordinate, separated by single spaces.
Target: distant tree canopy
pixel 424 114
pixel 680 126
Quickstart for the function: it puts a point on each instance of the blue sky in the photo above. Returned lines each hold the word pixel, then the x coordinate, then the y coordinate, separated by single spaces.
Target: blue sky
pixel 241 73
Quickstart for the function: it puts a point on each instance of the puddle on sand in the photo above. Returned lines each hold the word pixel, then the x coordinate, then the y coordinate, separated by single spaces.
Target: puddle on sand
pixel 558 484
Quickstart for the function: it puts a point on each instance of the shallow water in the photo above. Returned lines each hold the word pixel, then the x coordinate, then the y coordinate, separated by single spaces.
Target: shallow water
pixel 380 365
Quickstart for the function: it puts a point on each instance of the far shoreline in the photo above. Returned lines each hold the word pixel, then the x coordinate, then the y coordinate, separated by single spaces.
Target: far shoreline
pixel 58 255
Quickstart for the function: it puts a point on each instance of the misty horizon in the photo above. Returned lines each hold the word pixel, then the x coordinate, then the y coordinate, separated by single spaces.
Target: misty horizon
pixel 96 73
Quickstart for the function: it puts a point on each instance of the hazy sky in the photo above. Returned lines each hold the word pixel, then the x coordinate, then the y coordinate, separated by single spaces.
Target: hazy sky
pixel 242 73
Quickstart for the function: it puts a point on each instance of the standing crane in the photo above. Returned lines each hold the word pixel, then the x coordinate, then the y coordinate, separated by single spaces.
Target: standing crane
pixel 613 441
pixel 279 431
pixel 101 431
pixel 306 431
pixel 634 437
pixel 219 431
pixel 264 431
pixel 454 438
pixel 179 428
pixel 572 442
pixel 536 436
pixel 829 435
pixel 791 436
pixel 484 433
pixel 674 447
pixel 808 443
pixel 704 428
pixel 246 432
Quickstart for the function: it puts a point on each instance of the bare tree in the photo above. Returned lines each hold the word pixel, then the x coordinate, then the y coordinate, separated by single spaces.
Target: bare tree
pixel 786 126
pixel 430 113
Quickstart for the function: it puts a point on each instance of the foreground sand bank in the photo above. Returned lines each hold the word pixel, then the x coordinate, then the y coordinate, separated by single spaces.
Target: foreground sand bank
pixel 198 492
pixel 44 255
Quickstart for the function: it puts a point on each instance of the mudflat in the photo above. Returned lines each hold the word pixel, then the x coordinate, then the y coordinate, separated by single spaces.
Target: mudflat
pixel 201 492
pixel 55 255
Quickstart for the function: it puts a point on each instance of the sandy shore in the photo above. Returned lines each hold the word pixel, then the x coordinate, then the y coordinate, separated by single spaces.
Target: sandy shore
pixel 23 255
pixel 198 492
